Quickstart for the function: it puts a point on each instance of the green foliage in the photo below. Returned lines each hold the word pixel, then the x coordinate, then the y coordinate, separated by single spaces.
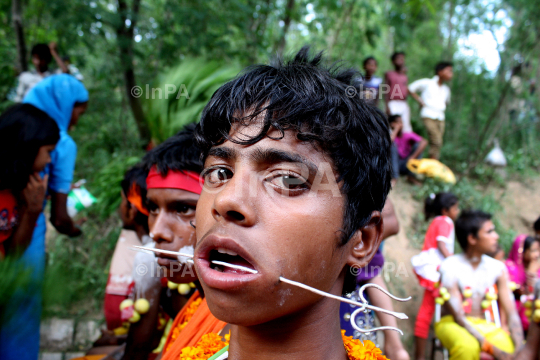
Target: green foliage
pixel 13 276
pixel 77 268
pixel 107 184
pixel 180 94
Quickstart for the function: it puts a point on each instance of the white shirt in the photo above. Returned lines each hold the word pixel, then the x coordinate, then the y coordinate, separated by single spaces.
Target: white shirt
pixel 435 97
pixel 27 80
pixel 458 268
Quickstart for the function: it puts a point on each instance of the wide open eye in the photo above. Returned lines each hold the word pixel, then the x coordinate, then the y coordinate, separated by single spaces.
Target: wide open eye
pixel 217 175
pixel 289 181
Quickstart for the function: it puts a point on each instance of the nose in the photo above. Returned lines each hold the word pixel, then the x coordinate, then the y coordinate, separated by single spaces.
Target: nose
pixel 160 230
pixel 234 203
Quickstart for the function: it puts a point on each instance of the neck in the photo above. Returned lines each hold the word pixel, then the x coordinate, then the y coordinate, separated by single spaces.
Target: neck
pixel 368 76
pixel 314 333
pixel 398 68
pixel 474 256
pixel 440 81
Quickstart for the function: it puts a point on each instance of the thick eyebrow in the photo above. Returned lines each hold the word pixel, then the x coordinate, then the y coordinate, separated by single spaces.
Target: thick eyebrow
pixel 222 152
pixel 275 156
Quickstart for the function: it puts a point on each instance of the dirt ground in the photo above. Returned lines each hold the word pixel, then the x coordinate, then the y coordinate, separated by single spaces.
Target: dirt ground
pixel 521 207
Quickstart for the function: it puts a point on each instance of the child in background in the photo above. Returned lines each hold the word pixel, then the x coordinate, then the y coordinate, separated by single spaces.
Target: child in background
pixel 28 135
pixel 396 96
pixel 27 138
pixel 134 216
pixel 523 271
pixel 371 82
pixel 409 145
pixel 470 278
pixel 42 54
pixel 433 99
pixel 438 245
pixel 536 227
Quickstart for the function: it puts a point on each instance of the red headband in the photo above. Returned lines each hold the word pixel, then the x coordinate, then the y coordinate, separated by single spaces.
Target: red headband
pixel 135 198
pixel 183 180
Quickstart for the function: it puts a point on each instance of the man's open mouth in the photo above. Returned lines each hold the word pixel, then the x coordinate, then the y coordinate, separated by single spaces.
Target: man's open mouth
pixel 222 263
pixel 222 255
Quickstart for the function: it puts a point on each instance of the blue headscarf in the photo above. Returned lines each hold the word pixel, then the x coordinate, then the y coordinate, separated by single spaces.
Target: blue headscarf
pixel 57 95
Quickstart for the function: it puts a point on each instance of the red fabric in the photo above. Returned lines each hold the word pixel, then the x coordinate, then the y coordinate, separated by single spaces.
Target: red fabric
pixel 111 308
pixel 183 180
pixel 425 315
pixel 398 85
pixel 9 217
pixel 438 227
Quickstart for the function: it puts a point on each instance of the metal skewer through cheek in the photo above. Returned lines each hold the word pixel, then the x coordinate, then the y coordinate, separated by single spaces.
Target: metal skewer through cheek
pixel 362 306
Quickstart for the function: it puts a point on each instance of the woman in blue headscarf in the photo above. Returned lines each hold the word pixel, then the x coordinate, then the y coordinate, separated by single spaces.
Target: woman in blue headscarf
pixel 64 99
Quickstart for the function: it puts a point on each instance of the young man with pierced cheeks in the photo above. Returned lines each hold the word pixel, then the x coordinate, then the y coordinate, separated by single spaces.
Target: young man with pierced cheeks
pixel 296 175
pixel 173 188
pixel 469 277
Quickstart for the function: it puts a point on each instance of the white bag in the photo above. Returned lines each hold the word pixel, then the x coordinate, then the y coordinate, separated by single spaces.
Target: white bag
pixel 496 156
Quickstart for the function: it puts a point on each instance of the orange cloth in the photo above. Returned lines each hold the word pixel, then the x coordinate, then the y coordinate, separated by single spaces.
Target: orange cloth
pixel 202 322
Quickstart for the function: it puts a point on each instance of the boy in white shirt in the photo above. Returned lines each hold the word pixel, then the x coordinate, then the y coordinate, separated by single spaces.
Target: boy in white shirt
pixel 470 279
pixel 434 97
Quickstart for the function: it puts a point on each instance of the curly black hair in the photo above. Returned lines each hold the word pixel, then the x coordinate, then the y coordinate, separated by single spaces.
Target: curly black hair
pixel 177 153
pixel 23 130
pixel 313 100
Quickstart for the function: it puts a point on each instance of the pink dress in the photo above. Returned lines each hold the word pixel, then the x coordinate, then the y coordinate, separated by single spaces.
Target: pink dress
pixel 518 274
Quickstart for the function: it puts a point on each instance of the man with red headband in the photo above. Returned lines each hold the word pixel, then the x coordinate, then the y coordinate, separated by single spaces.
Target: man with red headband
pixel 173 187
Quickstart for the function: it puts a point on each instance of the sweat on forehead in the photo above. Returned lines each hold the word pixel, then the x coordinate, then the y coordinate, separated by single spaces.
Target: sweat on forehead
pixel 311 99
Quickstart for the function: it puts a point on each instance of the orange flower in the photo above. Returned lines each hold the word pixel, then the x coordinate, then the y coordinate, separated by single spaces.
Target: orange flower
pixel 205 348
pixel 361 351
pixel 212 343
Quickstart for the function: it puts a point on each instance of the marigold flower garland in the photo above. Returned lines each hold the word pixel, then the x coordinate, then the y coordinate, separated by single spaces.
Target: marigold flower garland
pixel 208 345
pixel 212 343
pixel 356 350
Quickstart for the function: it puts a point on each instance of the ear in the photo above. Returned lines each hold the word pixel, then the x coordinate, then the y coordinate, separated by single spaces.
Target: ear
pixel 472 240
pixel 365 242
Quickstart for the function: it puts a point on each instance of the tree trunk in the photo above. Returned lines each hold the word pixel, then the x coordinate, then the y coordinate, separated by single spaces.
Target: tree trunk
pixel 16 14
pixel 286 24
pixel 346 18
pixel 125 45
pixel 448 53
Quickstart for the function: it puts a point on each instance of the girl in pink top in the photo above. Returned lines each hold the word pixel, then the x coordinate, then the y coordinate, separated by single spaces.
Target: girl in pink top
pixel 523 270
pixel 438 245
